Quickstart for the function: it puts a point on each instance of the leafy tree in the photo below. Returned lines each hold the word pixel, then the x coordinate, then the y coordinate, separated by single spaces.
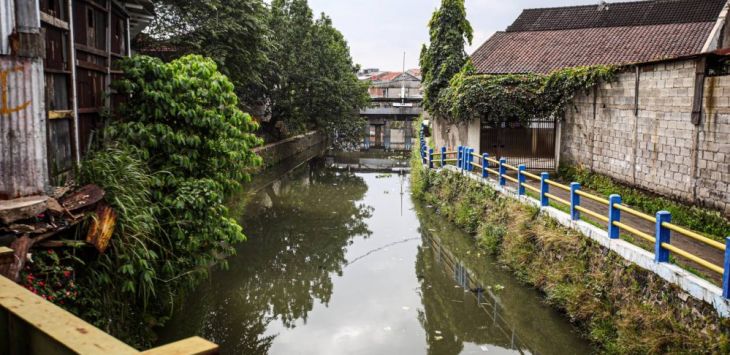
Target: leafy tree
pixel 316 86
pixel 449 30
pixel 232 32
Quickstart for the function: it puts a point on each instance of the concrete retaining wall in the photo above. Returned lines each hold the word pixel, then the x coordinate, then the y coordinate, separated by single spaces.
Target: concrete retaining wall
pixel 276 152
pixel 452 135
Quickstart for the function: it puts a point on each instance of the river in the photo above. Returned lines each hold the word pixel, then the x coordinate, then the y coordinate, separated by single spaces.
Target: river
pixel 342 261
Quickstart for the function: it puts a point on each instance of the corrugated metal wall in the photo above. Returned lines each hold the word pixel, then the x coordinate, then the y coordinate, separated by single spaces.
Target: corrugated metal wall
pixel 7 23
pixel 23 164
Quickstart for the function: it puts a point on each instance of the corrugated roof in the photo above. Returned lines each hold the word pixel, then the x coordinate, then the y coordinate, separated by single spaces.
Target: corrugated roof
pixel 638 13
pixel 542 40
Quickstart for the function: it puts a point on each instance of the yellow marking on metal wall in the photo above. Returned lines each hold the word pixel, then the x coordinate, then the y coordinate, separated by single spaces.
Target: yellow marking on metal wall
pixel 4 109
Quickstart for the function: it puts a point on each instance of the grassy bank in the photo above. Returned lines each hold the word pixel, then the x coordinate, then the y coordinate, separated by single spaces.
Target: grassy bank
pixel 621 308
pixel 708 222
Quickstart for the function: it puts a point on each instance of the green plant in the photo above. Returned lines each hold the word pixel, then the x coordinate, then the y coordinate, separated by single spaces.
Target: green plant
pixel 515 97
pixel 49 276
pixel 621 307
pixel 449 31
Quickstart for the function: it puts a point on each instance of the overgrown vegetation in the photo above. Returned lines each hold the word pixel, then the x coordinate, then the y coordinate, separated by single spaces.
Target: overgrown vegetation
pixel 449 31
pixel 711 223
pixel 621 307
pixel 454 91
pixel 180 145
pixel 515 97
pixel 293 71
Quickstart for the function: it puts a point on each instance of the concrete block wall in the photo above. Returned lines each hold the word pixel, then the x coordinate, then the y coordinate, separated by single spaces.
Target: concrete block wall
pixel 654 145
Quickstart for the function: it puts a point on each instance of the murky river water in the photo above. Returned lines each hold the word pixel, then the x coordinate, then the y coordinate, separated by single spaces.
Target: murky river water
pixel 346 263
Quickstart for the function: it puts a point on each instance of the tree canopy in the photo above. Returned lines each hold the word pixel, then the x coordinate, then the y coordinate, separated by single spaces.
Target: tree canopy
pixel 449 31
pixel 293 72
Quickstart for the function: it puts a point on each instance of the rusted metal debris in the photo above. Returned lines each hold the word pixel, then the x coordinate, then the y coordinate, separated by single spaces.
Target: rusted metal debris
pixel 102 227
pixel 36 229
pixel 84 197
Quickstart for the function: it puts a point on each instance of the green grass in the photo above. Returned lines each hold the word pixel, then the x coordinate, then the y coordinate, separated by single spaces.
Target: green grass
pixel 620 307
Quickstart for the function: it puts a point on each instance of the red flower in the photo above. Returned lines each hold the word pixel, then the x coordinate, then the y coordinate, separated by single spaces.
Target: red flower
pixel 41 283
pixel 67 274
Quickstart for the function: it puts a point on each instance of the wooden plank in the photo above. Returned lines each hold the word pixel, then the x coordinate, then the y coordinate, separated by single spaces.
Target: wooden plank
pixel 190 346
pixel 59 325
pixel 54 21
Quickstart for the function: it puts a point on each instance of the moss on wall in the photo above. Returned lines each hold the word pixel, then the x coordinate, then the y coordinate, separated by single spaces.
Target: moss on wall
pixel 621 307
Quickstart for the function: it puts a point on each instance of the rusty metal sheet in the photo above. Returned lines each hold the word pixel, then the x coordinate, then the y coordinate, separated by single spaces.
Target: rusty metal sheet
pixel 102 227
pixel 7 23
pixel 23 168
pixel 83 197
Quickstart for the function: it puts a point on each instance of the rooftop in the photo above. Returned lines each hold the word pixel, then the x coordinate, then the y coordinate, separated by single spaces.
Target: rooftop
pixel 542 40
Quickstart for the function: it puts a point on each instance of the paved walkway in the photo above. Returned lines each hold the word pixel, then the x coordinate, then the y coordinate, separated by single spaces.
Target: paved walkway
pixel 689 245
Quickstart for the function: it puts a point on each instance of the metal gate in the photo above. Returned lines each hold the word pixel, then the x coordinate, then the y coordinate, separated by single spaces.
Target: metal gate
pixel 531 143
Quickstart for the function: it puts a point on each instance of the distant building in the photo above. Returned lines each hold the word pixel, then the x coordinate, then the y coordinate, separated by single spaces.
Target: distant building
pixel 396 103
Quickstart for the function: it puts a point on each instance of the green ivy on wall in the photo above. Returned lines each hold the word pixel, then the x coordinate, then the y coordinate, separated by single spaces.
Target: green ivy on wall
pixel 515 97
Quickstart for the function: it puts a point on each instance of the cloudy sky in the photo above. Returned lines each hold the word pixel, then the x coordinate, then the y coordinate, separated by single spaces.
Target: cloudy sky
pixel 379 31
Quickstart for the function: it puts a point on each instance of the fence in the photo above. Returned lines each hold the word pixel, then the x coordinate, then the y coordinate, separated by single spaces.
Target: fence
pixel 467 160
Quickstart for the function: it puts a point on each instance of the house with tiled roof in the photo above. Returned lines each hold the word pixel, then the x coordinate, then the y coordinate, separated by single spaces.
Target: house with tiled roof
pixel 663 124
pixel 542 40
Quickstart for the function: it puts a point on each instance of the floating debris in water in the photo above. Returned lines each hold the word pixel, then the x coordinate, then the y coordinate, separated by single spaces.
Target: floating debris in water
pixel 437 332
pixel 405 308
pixel 438 337
pixel 498 287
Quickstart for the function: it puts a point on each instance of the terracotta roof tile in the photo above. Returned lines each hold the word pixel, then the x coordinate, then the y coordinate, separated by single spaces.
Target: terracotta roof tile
pixel 637 13
pixel 544 51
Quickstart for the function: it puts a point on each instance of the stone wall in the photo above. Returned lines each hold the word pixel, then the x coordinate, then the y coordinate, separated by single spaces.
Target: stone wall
pixel 651 142
pixel 276 152
pixel 452 135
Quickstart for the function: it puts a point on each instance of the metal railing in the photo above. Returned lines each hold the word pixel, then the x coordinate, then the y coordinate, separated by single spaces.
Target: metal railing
pixel 464 159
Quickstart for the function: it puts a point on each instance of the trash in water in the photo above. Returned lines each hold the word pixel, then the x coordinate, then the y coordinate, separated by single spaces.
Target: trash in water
pixel 405 308
pixel 437 332
pixel 438 337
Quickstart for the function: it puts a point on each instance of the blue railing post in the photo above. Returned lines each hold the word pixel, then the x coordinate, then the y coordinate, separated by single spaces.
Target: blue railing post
pixel 485 165
pixel 544 190
pixel 614 215
pixel 459 156
pixel 469 157
pixel 443 156
pixel 726 274
pixel 430 158
pixel 521 179
pixel 661 255
pixel 502 171
pixel 574 201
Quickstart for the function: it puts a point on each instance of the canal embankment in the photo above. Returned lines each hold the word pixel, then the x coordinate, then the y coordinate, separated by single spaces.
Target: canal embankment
pixel 622 307
pixel 276 152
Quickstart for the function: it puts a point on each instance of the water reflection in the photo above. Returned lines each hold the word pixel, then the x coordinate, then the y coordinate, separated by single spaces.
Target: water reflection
pixel 472 305
pixel 281 271
pixel 340 263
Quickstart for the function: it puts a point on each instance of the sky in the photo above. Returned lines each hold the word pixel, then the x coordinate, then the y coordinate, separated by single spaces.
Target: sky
pixel 379 31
